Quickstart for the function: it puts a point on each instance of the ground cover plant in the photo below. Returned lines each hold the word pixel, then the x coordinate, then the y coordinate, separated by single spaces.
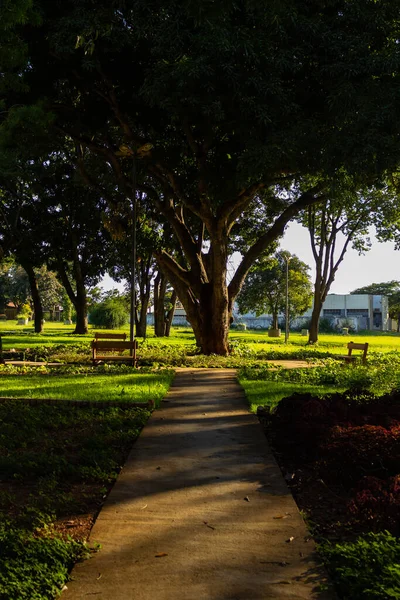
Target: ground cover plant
pixel 58 461
pixel 57 464
pixel 265 385
pixel 340 454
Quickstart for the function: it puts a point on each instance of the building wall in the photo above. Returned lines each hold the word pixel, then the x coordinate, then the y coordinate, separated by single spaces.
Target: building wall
pixel 363 311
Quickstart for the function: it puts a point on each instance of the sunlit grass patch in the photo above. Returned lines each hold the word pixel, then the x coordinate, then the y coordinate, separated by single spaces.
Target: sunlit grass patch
pixel 112 387
pixel 269 393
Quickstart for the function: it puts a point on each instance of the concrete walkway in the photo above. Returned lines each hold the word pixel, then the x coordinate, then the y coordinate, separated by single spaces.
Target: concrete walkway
pixel 200 510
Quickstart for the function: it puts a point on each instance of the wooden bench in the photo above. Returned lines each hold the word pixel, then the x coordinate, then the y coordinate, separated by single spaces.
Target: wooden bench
pixel 350 358
pixel 113 350
pixel 110 336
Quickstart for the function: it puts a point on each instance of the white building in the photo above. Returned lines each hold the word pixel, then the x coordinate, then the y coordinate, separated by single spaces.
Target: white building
pixel 365 310
pixel 362 311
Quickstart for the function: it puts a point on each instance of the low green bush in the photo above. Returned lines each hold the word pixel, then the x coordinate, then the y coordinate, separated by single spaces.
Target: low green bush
pixel 367 569
pixel 109 314
pixel 34 567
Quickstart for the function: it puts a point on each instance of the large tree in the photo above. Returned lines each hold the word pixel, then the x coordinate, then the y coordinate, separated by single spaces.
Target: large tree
pixel 220 106
pixel 264 290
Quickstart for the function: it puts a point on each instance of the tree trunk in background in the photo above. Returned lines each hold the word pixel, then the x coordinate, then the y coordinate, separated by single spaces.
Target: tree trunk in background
pixel 79 300
pixel 81 326
pixel 170 314
pixel 314 322
pixel 37 303
pixel 145 275
pixel 160 288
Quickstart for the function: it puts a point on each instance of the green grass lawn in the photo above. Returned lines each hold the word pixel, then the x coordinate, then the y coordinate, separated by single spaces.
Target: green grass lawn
pixel 57 333
pixel 135 386
pixel 269 393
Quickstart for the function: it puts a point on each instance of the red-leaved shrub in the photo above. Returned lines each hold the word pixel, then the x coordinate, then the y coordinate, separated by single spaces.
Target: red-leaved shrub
pixel 376 503
pixel 350 453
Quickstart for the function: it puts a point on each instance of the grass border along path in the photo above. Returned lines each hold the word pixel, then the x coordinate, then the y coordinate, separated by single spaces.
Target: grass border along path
pixel 57 464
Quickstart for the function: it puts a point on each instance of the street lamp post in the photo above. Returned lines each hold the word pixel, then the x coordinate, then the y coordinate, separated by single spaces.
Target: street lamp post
pixel 287 301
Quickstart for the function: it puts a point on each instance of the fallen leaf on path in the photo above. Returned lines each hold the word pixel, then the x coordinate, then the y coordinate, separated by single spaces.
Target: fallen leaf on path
pixel 98 576
pixel 280 517
pixel 246 498
pixel 210 526
pixel 290 540
pixel 145 506
pixel 161 554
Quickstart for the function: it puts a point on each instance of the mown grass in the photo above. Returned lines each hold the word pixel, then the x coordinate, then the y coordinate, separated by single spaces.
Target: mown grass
pixel 58 461
pixel 257 344
pixel 270 393
pixel 118 384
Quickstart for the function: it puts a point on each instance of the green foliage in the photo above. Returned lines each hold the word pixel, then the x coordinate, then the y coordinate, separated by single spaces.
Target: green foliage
pixel 35 567
pixel 380 375
pixel 264 290
pixel 367 569
pixel 112 313
pixel 25 312
pixel 46 453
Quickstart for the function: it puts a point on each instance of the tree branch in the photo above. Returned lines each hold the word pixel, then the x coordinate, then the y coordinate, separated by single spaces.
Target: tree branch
pixel 276 230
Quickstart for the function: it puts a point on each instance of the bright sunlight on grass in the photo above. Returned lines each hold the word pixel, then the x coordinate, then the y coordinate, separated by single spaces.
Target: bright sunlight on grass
pixel 269 393
pixel 113 387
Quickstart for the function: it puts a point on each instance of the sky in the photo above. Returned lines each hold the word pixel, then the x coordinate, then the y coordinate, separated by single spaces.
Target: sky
pixel 380 264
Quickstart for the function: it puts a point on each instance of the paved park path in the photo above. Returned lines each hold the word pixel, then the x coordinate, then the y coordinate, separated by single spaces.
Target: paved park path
pixel 200 510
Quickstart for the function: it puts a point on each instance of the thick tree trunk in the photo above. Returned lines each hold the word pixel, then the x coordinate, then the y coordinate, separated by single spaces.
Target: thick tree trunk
pixel 314 323
pixel 275 324
pixel 170 314
pixel 144 297
pixel 78 299
pixel 81 326
pixel 207 305
pixel 141 321
pixel 320 293
pixel 37 303
pixel 160 288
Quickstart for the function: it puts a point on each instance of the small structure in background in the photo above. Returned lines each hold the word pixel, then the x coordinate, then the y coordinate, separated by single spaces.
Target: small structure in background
pixel 345 311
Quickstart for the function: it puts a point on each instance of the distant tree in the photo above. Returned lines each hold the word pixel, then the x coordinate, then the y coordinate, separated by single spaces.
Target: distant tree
pixel 110 313
pixel 264 290
pixel 341 222
pixel 50 289
pixel 391 289
pixel 19 289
